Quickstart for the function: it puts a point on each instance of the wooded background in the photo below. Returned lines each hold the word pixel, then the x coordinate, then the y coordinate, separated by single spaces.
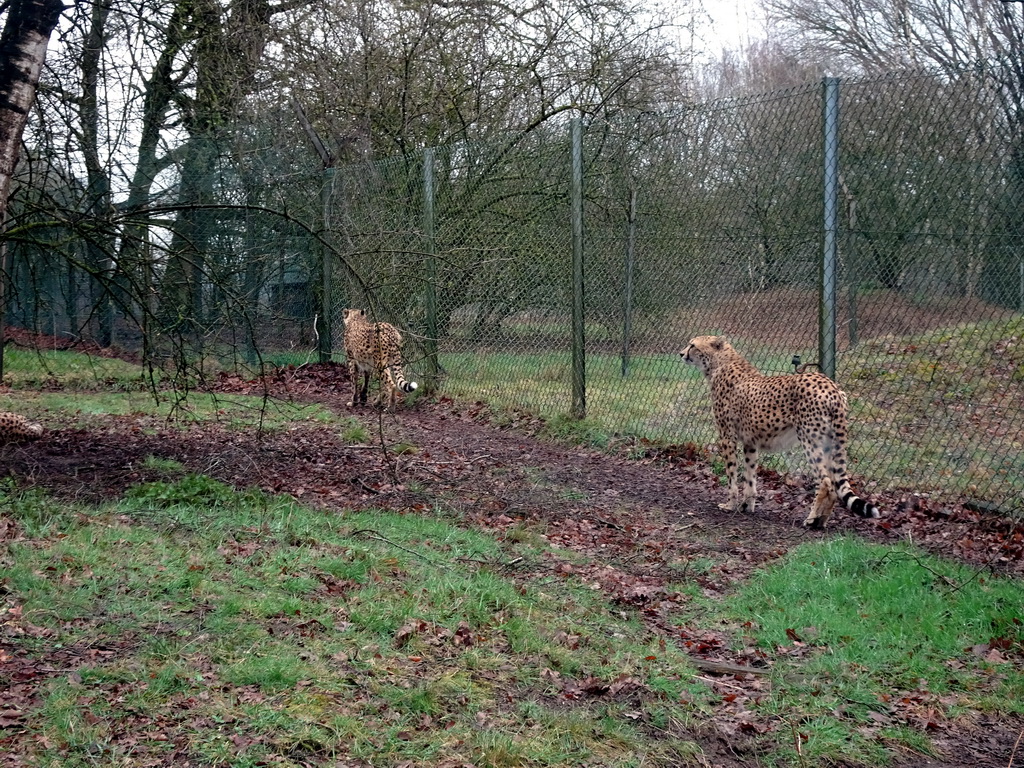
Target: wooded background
pixel 215 181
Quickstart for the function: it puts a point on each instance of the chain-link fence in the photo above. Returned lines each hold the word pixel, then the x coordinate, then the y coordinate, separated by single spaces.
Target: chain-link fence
pixel 872 226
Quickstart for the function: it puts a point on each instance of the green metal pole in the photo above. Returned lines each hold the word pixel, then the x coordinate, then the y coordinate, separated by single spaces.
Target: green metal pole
pixel 579 359
pixel 326 264
pixel 627 299
pixel 430 248
pixel 830 257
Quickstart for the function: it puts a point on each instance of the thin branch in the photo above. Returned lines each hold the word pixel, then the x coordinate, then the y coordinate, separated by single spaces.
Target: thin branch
pixel 372 534
pixel 1016 744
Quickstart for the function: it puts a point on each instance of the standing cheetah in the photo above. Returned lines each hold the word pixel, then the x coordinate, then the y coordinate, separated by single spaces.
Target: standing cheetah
pixel 771 413
pixel 375 347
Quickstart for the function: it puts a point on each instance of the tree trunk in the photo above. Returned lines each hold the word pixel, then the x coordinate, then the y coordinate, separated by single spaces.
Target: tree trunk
pixel 100 247
pixel 229 50
pixel 22 52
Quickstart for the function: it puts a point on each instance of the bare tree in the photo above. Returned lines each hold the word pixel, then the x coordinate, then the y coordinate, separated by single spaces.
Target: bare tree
pixel 22 53
pixel 763 65
pixel 398 77
pixel 883 35
pixel 23 44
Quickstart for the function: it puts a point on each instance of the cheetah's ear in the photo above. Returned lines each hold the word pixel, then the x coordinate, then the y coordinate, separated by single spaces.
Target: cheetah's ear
pixel 718 343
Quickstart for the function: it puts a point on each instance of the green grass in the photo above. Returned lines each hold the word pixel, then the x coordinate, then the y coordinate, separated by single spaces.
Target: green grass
pixel 540 383
pixel 29 369
pixel 80 390
pixel 241 619
pixel 941 406
pixel 74 408
pixel 243 628
pixel 886 639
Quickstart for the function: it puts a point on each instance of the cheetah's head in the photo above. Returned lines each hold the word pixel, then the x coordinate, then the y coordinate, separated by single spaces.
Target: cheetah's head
pixel 702 350
pixel 350 315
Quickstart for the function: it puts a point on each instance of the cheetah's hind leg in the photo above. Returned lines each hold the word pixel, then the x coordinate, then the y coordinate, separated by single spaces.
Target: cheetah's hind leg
pixel 360 386
pixel 747 483
pixel 364 388
pixel 823 504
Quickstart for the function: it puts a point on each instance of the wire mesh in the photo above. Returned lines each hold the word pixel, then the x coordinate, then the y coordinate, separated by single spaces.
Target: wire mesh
pixel 714 221
pixel 933 262
pixel 709 221
pixel 499 258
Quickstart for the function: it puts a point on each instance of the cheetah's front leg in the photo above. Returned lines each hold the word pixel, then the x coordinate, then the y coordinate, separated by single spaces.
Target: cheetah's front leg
pixel 727 449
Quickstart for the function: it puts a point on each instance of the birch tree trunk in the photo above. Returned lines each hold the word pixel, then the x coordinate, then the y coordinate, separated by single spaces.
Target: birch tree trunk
pixel 22 52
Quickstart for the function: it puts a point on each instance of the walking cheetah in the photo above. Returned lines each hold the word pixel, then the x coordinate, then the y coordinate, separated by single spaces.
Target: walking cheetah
pixel 771 413
pixel 15 427
pixel 375 347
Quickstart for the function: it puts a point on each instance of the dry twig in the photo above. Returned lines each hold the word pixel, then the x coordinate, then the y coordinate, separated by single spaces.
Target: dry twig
pixel 1016 744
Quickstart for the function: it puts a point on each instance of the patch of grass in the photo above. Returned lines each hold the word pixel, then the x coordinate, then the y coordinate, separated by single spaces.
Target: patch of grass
pixel 167 466
pixel 30 369
pixel 34 510
pixel 946 389
pixel 885 639
pixel 353 431
pixel 641 403
pixel 92 388
pixel 193 489
pixel 251 630
pixel 66 408
pixel 579 431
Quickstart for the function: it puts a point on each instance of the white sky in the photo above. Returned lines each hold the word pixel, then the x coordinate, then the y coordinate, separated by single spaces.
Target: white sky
pixel 727 24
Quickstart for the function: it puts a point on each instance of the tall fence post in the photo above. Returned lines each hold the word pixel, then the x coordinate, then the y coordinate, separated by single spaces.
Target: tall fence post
pixel 627 298
pixel 324 341
pixel 830 257
pixel 579 359
pixel 5 294
pixel 430 248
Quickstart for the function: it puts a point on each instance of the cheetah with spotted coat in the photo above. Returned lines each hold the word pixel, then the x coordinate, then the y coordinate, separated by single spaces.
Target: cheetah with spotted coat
pixel 772 413
pixel 377 348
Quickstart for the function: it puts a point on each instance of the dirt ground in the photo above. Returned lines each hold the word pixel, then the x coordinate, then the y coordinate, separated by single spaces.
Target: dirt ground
pixel 636 513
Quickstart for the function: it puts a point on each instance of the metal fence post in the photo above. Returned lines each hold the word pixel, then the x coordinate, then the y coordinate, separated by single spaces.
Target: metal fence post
pixel 5 294
pixel 579 360
pixel 430 248
pixel 829 262
pixel 324 341
pixel 627 298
